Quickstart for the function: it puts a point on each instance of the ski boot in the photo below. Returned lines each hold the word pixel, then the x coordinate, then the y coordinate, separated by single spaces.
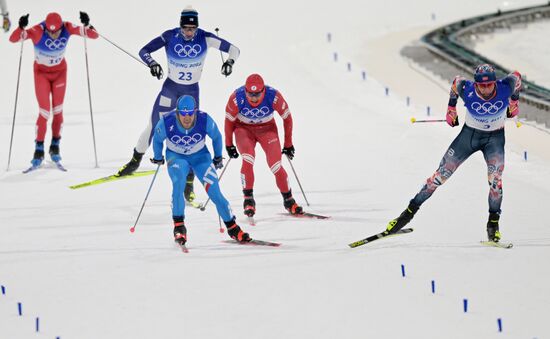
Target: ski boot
pixel 290 204
pixel 493 233
pixel 235 232
pixel 132 165
pixel 403 219
pixel 180 232
pixel 54 150
pixel 249 204
pixel 38 154
pixel 188 191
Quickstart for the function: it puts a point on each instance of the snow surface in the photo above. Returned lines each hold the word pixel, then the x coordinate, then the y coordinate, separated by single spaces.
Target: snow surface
pixel 69 258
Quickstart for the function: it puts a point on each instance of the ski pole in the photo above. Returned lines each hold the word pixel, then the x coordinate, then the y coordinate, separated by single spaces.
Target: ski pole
pixel 90 95
pixel 203 207
pixel 133 228
pixel 122 49
pixel 414 120
pixel 221 55
pixel 298 180
pixel 16 97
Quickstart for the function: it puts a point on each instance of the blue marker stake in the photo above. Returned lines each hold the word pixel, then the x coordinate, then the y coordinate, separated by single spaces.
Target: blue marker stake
pixel 364 75
pixel 20 308
pixel 408 101
pixel 349 66
pixel 37 324
pixel 329 37
pixel 525 155
pixel 465 302
pixel 387 91
pixel 428 110
pixel 403 270
pixel 3 290
pixel 433 286
pixel 335 56
pixel 499 323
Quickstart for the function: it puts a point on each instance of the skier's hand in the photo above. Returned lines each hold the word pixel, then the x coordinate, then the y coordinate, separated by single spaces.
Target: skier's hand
pixel 6 23
pixel 227 67
pixel 158 161
pixel 232 152
pixel 218 162
pixel 289 151
pixel 513 109
pixel 156 70
pixel 23 21
pixel 84 19
pixel 452 116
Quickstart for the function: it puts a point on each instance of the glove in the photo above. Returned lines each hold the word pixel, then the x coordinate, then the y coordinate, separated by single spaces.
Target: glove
pixel 6 23
pixel 218 162
pixel 232 152
pixel 23 21
pixel 158 162
pixel 513 109
pixel 84 19
pixel 289 151
pixel 227 67
pixel 156 70
pixel 452 117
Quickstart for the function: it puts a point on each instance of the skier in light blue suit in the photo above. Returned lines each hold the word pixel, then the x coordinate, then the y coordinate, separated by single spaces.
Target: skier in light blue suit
pixel 184 130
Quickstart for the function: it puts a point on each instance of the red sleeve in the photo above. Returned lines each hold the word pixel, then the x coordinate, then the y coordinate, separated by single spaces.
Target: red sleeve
pixel 231 111
pixel 79 30
pixel 280 105
pixel 34 33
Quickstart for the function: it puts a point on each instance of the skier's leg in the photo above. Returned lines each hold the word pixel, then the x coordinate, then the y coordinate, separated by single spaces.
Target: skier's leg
pixel 246 143
pixel 177 170
pixel 493 152
pixel 42 88
pixel 58 96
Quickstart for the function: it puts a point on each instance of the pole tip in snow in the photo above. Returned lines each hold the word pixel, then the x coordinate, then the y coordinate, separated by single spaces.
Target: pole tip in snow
pixel 222 230
pixel 413 120
pixel 132 229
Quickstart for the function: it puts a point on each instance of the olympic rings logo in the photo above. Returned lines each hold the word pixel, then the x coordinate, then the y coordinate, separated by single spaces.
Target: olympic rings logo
pixel 487 107
pixel 56 44
pixel 255 112
pixel 187 51
pixel 186 140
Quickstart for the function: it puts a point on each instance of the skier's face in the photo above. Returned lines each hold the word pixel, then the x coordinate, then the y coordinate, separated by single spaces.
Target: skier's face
pixel 254 97
pixel 189 31
pixel 54 34
pixel 187 120
pixel 486 89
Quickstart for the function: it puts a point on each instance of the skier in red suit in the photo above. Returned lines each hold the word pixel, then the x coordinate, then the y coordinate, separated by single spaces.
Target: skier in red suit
pixel 50 39
pixel 249 115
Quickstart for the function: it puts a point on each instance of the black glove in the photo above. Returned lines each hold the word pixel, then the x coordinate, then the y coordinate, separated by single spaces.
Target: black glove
pixel 156 70
pixel 23 21
pixel 218 162
pixel 289 151
pixel 158 162
pixel 227 67
pixel 84 19
pixel 232 152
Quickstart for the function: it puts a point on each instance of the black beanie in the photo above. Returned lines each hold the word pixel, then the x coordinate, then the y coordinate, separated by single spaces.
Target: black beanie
pixel 190 17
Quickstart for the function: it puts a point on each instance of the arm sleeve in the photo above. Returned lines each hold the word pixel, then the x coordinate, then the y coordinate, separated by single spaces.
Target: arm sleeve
pixel 280 105
pixel 223 45
pixel 158 139
pixel 514 81
pixel 153 45
pixel 214 133
pixel 34 33
pixel 231 111
pixel 79 30
pixel 456 90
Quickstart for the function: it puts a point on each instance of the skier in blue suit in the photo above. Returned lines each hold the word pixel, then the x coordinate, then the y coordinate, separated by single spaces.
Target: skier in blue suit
pixel 184 130
pixel 186 48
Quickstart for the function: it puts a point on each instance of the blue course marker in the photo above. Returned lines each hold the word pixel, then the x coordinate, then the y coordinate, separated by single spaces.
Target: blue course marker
pixel 465 303
pixel 329 37
pixel 402 270
pixel 335 56
pixel 20 308
pixel 37 324
pixel 433 286
pixel 3 290
pixel 499 323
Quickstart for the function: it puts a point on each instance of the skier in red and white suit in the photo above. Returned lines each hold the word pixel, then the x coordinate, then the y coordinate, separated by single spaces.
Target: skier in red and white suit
pixel 50 39
pixel 249 115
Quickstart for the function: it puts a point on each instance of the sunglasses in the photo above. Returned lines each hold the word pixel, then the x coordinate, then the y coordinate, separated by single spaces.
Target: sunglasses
pixel 486 84
pixel 186 113
pixel 254 94
pixel 189 29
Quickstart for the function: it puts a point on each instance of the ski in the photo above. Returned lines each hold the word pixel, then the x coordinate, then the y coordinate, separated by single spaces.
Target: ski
pixel 307 215
pixel 255 242
pixel 59 166
pixel 251 221
pixel 183 248
pixel 30 169
pixel 111 178
pixel 497 244
pixel 379 236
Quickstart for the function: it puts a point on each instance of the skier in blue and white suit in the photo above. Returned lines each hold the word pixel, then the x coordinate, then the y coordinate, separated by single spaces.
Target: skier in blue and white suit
pixel 186 48
pixel 184 130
